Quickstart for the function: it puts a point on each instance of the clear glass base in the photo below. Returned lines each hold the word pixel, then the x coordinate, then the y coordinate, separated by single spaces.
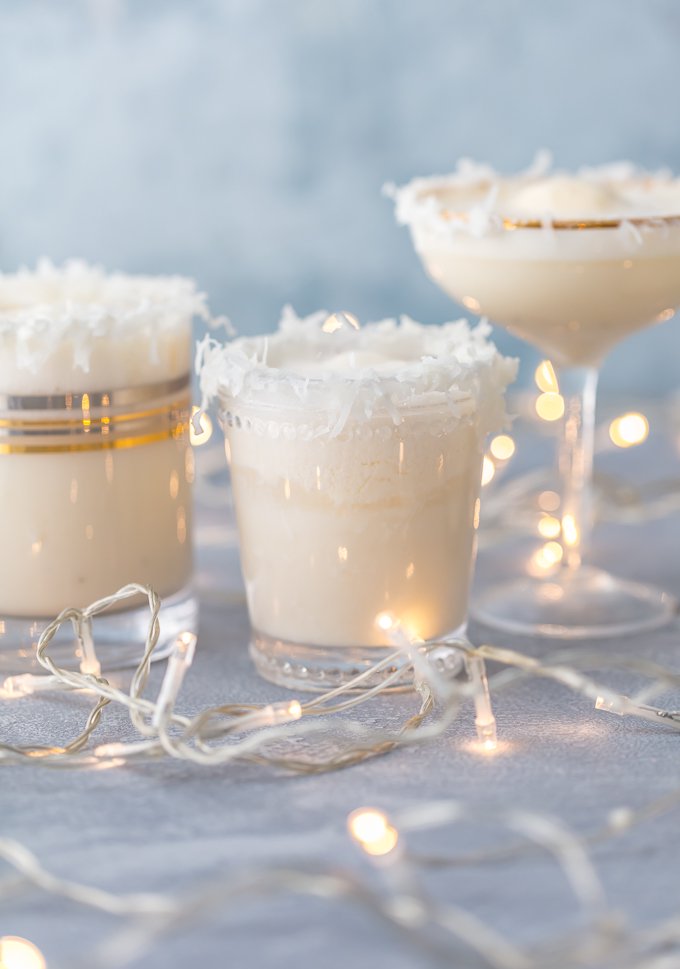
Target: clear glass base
pixel 586 603
pixel 315 669
pixel 119 636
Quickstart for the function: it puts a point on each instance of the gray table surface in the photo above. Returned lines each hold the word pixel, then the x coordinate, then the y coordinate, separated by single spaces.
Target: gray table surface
pixel 164 825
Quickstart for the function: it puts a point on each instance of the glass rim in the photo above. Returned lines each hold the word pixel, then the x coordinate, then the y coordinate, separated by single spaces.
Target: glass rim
pixel 510 225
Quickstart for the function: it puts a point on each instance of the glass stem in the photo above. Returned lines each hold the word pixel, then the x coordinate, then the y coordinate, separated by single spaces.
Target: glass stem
pixel 578 386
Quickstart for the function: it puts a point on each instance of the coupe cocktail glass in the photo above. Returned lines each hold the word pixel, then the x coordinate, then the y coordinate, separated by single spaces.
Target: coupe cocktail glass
pixel 571 264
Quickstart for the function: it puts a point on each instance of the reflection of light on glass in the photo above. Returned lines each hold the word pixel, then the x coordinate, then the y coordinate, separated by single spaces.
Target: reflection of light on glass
pixel 371 829
pixel 475 514
pixel 85 404
pixel 570 531
pixel 340 321
pixel 546 378
pixel 18 953
pixel 203 435
pixel 548 501
pixel 665 315
pixel 181 525
pixel 502 447
pixel 629 429
pixel 342 553
pixel 471 303
pixel 550 406
pixel 545 558
pixel 549 526
pixel 410 570
pixel 488 470
pixel 189 466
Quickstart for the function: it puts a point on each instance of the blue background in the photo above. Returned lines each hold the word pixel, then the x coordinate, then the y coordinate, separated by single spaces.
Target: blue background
pixel 245 142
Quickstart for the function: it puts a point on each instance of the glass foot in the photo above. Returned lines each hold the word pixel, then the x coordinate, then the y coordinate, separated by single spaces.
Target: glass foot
pixel 587 603
pixel 320 668
pixel 118 636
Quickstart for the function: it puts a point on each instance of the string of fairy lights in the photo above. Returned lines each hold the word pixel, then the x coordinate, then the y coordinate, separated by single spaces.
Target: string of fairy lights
pixel 309 736
pixel 447 677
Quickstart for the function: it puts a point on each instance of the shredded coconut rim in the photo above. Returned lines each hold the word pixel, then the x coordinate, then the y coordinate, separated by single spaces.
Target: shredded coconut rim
pixel 45 309
pixel 478 200
pixel 302 368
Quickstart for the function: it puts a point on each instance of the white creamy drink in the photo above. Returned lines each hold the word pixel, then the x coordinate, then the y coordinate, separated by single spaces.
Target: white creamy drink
pixel 572 263
pixel 95 463
pixel 355 459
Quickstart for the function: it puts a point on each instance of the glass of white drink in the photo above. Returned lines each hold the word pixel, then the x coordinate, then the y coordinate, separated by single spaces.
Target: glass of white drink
pixel 572 263
pixel 95 460
pixel 355 456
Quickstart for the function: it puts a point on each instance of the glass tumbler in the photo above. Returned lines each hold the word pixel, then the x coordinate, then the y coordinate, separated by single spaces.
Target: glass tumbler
pixel 356 492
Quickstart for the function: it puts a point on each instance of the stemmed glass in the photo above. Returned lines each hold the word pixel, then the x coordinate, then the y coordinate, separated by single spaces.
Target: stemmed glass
pixel 573 287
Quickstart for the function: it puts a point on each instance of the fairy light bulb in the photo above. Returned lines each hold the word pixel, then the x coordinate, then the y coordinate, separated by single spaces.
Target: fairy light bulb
pixel 371 829
pixel 485 721
pixel 629 430
pixel 386 621
pixel 200 427
pixel 545 558
pixel 549 526
pixel 179 661
pixel 294 709
pixel 502 447
pixel 487 739
pixel 89 663
pixel 550 406
pixel 24 684
pixel 548 501
pixel 272 715
pixel 611 704
pixel 18 953
pixel 570 531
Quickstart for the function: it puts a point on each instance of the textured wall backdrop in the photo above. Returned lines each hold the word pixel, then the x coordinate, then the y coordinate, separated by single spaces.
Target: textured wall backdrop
pixel 245 141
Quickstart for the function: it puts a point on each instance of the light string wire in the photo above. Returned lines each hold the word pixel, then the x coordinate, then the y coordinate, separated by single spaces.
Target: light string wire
pixel 268 735
pixel 400 900
pixel 246 730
